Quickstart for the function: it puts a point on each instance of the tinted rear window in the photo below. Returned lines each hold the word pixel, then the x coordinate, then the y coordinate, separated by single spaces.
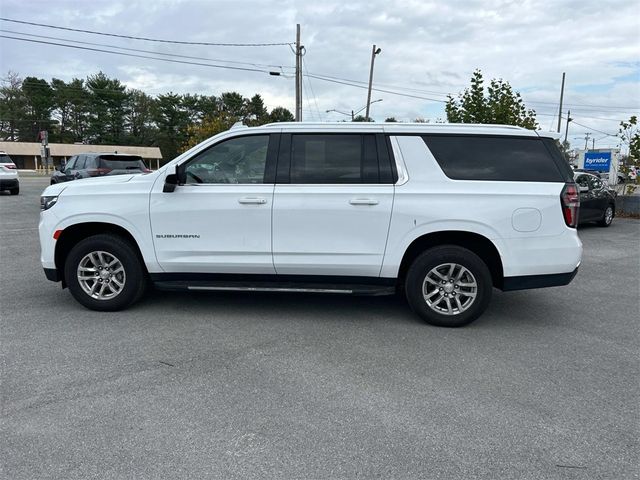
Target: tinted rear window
pixel 122 162
pixel 329 159
pixel 474 157
pixel 4 158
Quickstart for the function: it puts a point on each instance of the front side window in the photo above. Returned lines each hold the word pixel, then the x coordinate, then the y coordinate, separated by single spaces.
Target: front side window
pixel 337 158
pixel 238 160
pixel 71 164
pixel 80 162
pixel 595 183
pixel 582 181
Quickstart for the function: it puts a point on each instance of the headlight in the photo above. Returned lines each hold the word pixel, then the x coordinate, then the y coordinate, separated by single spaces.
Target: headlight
pixel 47 202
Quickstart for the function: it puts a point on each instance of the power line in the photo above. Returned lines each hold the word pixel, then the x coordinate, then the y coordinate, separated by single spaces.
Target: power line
pixel 315 100
pixel 258 65
pixel 594 129
pixel 146 39
pixel 184 62
pixel 445 94
pixel 375 89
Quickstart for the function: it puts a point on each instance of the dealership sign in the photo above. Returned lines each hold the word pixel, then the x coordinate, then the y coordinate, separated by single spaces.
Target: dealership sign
pixel 600 161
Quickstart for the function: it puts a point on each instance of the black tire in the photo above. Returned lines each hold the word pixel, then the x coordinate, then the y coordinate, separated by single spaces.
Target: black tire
pixel 607 216
pixel 15 191
pixel 438 256
pixel 135 280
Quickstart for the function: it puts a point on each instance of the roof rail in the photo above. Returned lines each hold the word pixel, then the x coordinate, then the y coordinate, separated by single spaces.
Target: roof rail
pixel 394 125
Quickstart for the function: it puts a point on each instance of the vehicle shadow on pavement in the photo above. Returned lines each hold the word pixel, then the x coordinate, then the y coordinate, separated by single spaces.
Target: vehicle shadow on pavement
pixel 297 307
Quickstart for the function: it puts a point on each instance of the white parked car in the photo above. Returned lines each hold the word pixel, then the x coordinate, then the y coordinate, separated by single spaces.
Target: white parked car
pixel 8 175
pixel 443 213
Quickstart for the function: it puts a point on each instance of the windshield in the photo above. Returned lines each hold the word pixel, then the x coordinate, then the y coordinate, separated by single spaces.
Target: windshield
pixel 122 162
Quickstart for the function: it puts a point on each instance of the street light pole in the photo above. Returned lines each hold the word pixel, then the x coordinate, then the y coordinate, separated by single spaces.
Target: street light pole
pixel 374 52
pixel 566 131
pixel 298 76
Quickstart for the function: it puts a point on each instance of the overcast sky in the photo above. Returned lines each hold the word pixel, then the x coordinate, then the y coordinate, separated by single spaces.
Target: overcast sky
pixel 429 49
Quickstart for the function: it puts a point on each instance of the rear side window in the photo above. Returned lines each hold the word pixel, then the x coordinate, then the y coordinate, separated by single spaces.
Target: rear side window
pixel 475 157
pixel 121 162
pixel 328 159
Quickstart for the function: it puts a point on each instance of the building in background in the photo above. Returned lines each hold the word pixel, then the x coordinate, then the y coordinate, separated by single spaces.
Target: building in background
pixel 28 155
pixel 605 161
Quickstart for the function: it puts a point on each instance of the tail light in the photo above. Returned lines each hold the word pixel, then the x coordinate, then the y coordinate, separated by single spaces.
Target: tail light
pixel 146 170
pixel 570 202
pixel 10 166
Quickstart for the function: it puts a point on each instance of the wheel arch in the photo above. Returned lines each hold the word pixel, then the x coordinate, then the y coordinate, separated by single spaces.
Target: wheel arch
pixel 478 244
pixel 73 234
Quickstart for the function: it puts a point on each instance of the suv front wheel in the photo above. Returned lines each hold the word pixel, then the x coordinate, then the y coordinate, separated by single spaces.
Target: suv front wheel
pixel 448 286
pixel 104 273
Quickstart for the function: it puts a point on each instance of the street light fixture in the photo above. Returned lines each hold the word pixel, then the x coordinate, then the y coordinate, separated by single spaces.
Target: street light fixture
pixel 352 114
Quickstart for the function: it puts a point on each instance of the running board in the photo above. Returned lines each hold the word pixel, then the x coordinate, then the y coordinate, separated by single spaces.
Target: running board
pixel 286 287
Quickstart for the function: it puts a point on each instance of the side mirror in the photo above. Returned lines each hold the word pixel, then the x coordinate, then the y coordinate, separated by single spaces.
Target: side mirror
pixel 583 188
pixel 170 183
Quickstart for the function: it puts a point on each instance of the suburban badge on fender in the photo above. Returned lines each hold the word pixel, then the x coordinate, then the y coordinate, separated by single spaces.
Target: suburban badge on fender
pixel 177 235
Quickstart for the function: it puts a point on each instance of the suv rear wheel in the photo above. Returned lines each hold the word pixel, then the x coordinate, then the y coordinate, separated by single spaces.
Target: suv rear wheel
pixel 104 273
pixel 448 286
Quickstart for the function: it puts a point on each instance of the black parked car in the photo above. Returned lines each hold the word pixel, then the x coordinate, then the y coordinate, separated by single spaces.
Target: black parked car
pixel 88 165
pixel 597 200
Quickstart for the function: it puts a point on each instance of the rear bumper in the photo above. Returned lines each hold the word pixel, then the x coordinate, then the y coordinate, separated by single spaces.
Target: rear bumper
pixel 538 281
pixel 9 182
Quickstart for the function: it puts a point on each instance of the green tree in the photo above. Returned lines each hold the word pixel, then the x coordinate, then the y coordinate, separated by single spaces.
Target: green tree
pixel 108 101
pixel 391 120
pixel 209 127
pixel 173 122
pixel 233 104
pixel 139 118
pixel 79 110
pixel 501 105
pixel 255 112
pixel 13 107
pixel 630 136
pixel 39 97
pixel 281 114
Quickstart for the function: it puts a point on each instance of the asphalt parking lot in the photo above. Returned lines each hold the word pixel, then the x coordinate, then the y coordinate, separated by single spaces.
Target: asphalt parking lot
pixel 239 385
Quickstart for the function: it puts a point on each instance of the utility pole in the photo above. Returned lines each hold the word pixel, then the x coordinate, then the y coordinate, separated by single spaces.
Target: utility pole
pixel 593 144
pixel 374 52
pixel 352 116
pixel 298 75
pixel 561 97
pixel 586 139
pixel 566 130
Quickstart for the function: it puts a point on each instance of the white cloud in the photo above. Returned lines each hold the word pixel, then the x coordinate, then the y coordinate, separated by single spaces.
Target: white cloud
pixel 431 46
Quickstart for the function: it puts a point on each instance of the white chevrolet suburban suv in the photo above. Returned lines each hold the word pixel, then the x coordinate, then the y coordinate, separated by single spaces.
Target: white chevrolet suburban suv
pixel 443 213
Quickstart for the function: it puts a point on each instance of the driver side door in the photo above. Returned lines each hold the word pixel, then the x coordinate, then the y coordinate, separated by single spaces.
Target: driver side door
pixel 218 218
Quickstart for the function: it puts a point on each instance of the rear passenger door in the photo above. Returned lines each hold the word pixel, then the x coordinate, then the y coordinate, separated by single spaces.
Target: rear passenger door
pixel 332 204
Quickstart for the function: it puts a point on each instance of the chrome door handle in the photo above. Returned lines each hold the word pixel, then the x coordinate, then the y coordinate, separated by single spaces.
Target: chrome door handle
pixel 363 201
pixel 252 201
